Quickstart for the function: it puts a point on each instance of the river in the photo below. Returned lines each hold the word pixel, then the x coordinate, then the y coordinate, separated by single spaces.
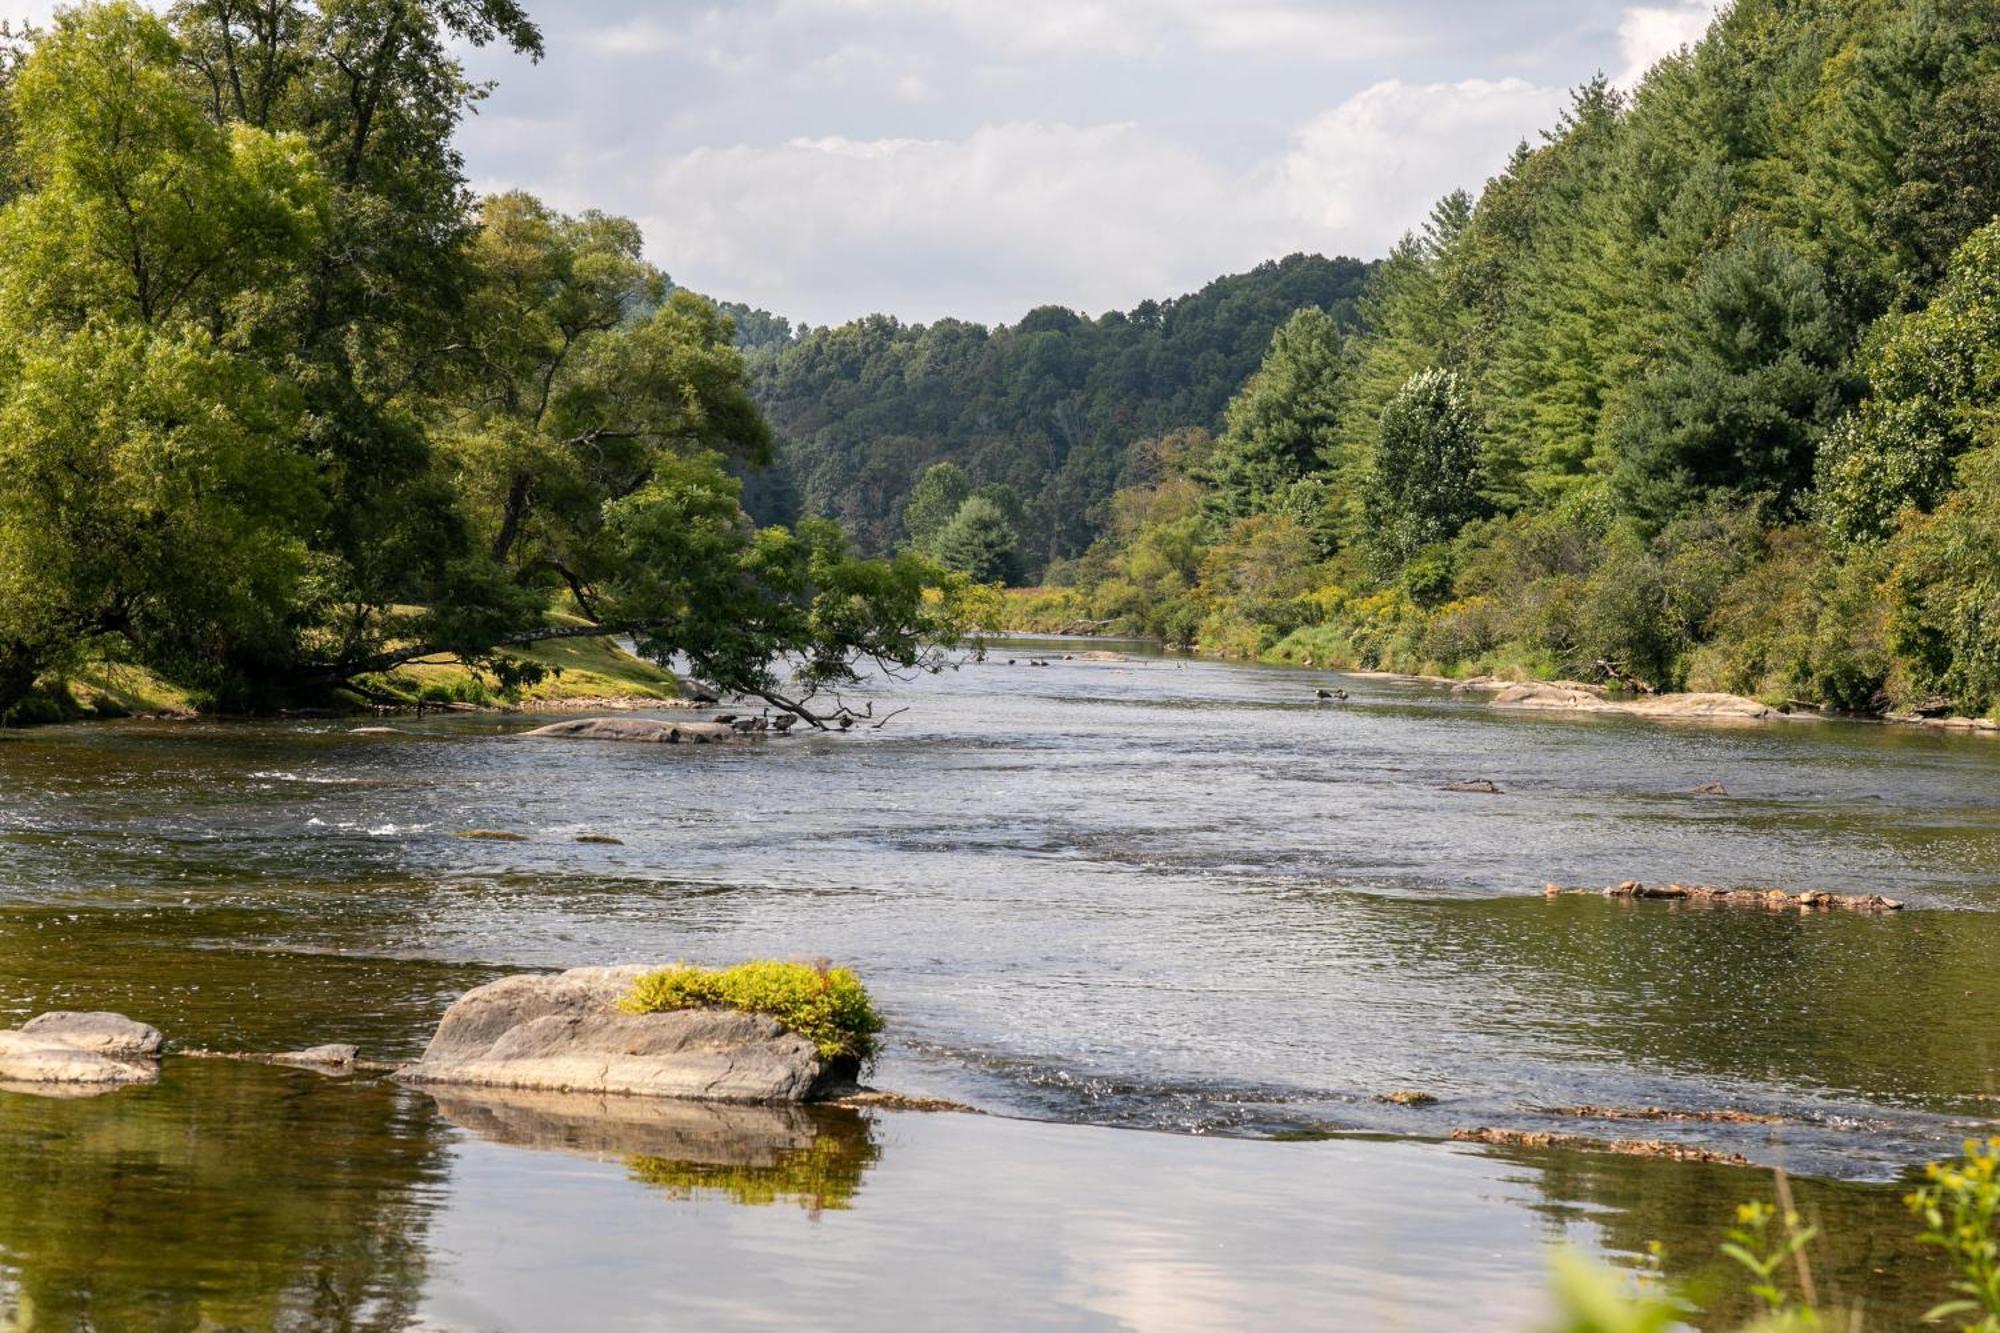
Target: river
pixel 1093 898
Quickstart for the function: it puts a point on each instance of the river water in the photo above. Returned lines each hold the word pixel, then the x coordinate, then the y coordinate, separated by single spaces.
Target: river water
pixel 1156 895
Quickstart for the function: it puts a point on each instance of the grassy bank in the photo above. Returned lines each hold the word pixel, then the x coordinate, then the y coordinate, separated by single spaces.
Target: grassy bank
pixel 568 671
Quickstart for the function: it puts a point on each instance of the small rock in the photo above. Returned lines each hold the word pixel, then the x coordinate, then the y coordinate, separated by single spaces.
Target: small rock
pixel 492 835
pixel 1479 787
pixel 1406 1097
pixel 1711 789
pixel 320 1057
pixel 600 840
pixel 375 731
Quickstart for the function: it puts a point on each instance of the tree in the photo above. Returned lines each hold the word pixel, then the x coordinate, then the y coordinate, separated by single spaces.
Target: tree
pixel 1284 425
pixel 1933 388
pixel 934 502
pixel 1425 481
pixel 979 543
pixel 151 489
pixel 1752 375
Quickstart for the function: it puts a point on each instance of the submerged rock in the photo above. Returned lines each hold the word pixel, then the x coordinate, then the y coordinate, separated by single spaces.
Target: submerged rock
pixel 330 1058
pixel 1478 787
pixel 642 730
pixel 565 1033
pixel 80 1050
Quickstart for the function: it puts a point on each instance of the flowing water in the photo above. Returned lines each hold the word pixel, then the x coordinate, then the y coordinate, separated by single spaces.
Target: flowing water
pixel 1156 895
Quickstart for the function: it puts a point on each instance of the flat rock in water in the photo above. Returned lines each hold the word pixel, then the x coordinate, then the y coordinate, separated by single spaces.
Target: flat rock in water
pixel 565 1033
pixel 81 1051
pixel 105 1034
pixel 642 730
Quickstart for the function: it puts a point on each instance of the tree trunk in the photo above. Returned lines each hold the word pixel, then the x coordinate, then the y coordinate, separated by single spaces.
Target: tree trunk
pixel 19 668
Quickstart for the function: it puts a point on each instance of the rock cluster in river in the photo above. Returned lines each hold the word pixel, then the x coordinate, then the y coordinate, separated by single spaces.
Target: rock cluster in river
pixel 1701 895
pixel 565 1033
pixel 80 1050
pixel 642 730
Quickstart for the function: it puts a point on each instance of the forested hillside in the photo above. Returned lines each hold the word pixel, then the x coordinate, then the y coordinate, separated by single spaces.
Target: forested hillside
pixel 1703 389
pixel 1048 407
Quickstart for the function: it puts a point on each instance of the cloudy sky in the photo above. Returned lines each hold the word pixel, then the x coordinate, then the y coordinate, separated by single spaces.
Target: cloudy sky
pixel 828 158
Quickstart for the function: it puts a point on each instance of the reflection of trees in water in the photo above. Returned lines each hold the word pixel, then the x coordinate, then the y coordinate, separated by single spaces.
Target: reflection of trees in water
pixel 163 965
pixel 825 1174
pixel 1864 1257
pixel 230 1196
pixel 814 1157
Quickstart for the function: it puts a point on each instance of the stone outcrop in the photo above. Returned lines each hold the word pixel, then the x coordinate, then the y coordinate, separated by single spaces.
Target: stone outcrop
pixel 642 730
pixel 1770 900
pixel 80 1050
pixel 565 1033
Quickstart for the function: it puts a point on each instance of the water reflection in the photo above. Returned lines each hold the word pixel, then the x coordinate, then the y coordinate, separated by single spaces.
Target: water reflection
pixel 1863 1258
pixel 810 1157
pixel 226 1197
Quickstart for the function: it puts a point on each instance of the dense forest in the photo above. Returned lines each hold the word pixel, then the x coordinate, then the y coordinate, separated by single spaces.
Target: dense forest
pixel 1701 391
pixel 1047 409
pixel 284 406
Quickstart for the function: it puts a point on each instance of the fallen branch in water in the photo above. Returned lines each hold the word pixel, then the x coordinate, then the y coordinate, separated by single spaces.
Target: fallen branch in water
pixel 1722 1117
pixel 1770 900
pixel 1672 1152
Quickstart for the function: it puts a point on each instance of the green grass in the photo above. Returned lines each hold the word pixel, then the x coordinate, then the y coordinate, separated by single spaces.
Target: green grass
pixel 828 1006
pixel 573 669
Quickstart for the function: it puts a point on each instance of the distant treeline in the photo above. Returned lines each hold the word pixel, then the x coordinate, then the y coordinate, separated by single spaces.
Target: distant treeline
pixel 1047 408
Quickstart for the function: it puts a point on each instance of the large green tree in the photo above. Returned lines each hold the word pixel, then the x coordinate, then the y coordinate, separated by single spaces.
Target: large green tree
pixel 1285 423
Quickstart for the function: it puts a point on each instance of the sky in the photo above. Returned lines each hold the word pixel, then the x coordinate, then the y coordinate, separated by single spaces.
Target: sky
pixel 825 159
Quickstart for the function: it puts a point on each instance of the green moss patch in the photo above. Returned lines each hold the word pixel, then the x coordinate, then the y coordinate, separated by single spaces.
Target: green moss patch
pixel 828 1006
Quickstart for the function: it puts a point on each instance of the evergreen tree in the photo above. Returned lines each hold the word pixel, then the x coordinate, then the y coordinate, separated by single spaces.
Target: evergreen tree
pixel 980 543
pixel 1284 424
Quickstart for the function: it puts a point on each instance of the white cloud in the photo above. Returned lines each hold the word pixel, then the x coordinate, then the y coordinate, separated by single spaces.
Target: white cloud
pixel 1368 169
pixel 1648 35
pixel 1095 217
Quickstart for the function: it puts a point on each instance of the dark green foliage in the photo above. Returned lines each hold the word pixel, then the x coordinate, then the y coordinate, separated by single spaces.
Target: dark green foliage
pixel 1748 380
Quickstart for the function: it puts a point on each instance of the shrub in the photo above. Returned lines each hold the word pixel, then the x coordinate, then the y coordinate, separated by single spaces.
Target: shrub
pixel 828 1006
pixel 1960 1208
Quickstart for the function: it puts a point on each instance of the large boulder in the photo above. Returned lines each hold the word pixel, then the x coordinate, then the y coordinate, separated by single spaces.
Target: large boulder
pixel 80 1050
pixel 644 730
pixel 565 1033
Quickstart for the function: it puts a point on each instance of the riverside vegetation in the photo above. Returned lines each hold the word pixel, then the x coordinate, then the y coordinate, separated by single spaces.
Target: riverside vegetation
pixel 1958 1206
pixel 1700 392
pixel 285 408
